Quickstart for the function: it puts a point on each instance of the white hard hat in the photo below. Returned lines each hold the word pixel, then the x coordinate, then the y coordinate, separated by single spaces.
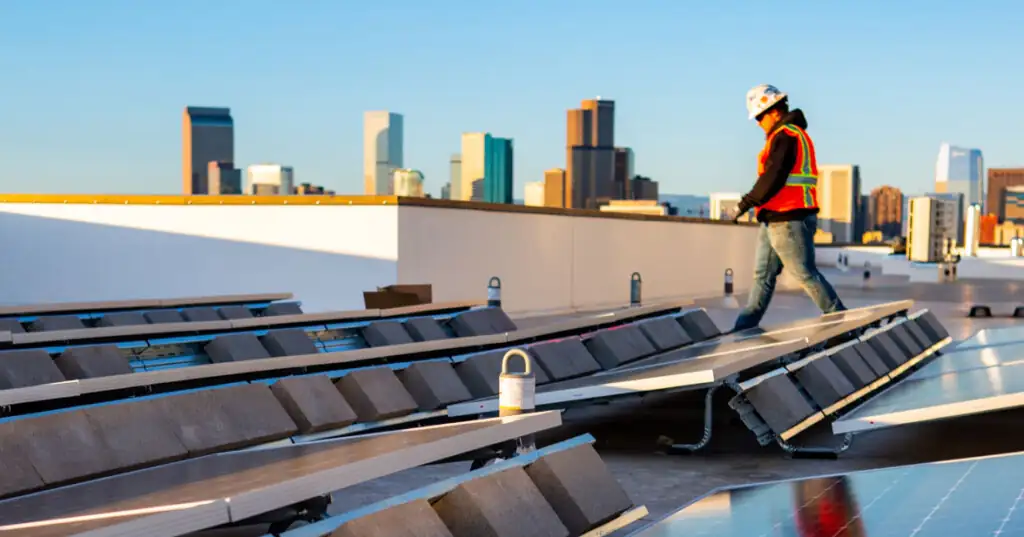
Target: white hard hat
pixel 761 98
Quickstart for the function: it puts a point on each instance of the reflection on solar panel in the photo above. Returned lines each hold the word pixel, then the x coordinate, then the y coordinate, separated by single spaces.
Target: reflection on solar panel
pixel 972 358
pixel 992 336
pixel 972 497
pixel 956 394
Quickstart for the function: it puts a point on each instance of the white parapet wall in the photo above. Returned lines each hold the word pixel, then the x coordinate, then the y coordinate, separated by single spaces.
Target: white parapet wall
pixel 328 250
pixel 157 247
pixel 552 261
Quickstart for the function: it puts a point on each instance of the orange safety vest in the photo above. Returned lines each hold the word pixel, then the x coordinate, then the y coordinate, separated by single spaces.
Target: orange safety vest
pixel 801 190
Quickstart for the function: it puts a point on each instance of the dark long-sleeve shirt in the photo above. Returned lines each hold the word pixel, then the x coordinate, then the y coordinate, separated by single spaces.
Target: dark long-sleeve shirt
pixel 781 158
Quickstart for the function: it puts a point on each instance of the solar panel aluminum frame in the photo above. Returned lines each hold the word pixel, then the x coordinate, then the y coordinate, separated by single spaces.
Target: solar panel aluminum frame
pixel 84 308
pixel 244 504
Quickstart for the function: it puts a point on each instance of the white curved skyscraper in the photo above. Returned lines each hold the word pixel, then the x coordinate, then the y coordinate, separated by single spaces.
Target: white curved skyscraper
pixel 960 170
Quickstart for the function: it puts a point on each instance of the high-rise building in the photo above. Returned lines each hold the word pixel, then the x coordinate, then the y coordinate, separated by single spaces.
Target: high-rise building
pixel 208 135
pixel 956 219
pixel 1013 207
pixel 998 180
pixel 455 177
pixel 960 170
pixel 643 188
pixel 554 188
pixel 624 166
pixel 383 150
pixel 590 154
pixel 487 159
pixel 886 208
pixel 269 180
pixel 533 195
pixel 223 178
pixel 839 201
pixel 929 227
pixel 407 183
pixel 446 191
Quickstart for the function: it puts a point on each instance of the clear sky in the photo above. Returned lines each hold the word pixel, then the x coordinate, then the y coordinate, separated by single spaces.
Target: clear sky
pixel 92 91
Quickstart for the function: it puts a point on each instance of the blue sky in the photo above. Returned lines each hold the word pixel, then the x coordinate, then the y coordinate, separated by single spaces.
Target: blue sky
pixel 92 91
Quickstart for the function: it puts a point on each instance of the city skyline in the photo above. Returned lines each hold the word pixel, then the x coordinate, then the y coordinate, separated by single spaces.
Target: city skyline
pixel 92 85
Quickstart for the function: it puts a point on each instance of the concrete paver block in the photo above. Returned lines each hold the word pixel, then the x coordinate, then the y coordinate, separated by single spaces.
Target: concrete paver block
pixel 57 322
pixel 905 341
pixel 137 433
pixel 918 334
pixel 481 322
pixel 313 402
pixel 613 347
pixel 92 361
pixel 200 315
pixel 32 367
pixel 425 329
pixel 411 519
pixel 579 487
pixel 563 359
pixel 164 316
pixel 931 326
pixel 282 308
pixel 19 476
pixel 235 348
pixel 376 394
pixel 853 367
pixel 433 385
pixel 779 403
pixel 887 350
pixel 504 504
pixel 218 419
pixel 824 382
pixel 121 318
pixel 383 333
pixel 480 373
pixel 665 332
pixel 871 357
pixel 234 313
pixel 699 325
pixel 288 342
pixel 66 446
pixel 11 325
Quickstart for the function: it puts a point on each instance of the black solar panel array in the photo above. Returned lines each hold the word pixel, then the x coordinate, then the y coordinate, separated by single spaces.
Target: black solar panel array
pixel 976 497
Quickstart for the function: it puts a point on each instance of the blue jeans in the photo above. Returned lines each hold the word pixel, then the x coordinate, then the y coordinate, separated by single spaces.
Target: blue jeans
pixel 791 245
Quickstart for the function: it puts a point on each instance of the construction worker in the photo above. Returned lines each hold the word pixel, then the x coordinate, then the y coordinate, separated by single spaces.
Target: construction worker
pixel 786 206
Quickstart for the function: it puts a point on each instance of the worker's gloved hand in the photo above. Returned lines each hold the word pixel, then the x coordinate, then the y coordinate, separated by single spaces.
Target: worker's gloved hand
pixel 741 210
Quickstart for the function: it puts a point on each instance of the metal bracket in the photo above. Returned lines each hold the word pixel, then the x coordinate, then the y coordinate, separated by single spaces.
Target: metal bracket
pixel 673 448
pixel 816 452
pixel 309 511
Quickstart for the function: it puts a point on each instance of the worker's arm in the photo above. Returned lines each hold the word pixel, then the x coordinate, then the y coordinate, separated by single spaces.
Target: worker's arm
pixel 781 159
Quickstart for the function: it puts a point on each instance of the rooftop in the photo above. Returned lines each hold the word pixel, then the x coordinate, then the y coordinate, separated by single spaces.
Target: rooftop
pixel 560 277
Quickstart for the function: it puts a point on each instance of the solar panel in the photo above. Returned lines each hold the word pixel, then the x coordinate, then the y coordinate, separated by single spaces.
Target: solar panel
pixel 993 336
pixel 701 364
pixel 972 358
pixel 972 497
pixel 946 396
pixel 251 482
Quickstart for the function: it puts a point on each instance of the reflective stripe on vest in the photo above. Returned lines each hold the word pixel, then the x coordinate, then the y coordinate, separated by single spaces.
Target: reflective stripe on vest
pixel 800 191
